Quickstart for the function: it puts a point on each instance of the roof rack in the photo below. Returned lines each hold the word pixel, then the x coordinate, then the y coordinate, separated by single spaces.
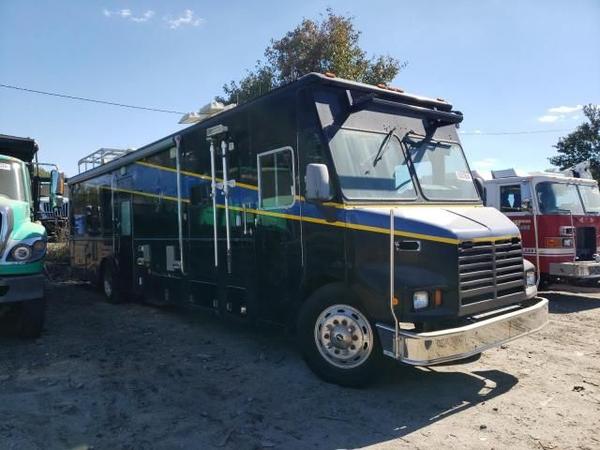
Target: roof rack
pixel 100 157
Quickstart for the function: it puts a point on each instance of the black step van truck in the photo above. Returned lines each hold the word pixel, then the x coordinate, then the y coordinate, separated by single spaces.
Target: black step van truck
pixel 343 210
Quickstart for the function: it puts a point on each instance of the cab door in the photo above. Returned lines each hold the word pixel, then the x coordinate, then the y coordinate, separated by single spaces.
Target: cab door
pixel 517 204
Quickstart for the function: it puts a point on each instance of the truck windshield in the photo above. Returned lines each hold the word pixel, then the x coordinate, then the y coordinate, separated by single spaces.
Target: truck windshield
pixel 558 198
pixel 441 170
pixel 371 166
pixel 591 198
pixel 11 181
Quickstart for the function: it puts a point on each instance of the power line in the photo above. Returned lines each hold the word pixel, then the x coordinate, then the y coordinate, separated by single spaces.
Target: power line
pixel 502 133
pixel 91 100
pixel 169 111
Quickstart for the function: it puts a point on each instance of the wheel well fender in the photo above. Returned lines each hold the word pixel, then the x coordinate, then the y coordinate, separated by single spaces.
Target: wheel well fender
pixel 323 284
pixel 106 261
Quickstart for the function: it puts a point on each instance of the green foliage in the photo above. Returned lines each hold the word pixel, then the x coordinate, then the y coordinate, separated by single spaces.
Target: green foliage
pixel 326 45
pixel 583 144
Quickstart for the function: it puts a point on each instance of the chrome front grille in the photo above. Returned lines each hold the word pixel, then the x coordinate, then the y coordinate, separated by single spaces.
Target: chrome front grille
pixel 2 225
pixel 47 212
pixel 490 270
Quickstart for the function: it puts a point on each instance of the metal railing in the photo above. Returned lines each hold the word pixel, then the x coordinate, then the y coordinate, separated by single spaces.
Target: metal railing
pixel 100 157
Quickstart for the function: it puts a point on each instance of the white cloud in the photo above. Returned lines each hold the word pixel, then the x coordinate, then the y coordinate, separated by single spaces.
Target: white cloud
pixel 564 109
pixel 187 18
pixel 127 14
pixel 144 17
pixel 549 118
pixel 559 113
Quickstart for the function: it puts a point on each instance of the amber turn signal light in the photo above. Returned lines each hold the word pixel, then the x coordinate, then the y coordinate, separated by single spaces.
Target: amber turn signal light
pixel 437 297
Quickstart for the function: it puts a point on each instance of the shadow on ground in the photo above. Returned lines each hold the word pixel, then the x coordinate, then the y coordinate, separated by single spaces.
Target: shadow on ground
pixel 131 376
pixel 572 301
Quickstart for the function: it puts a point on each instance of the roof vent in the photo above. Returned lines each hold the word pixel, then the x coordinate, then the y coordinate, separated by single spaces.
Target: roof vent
pixel 211 109
pixel 505 173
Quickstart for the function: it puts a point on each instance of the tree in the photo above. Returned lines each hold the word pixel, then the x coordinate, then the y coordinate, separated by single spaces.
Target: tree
pixel 326 45
pixel 583 144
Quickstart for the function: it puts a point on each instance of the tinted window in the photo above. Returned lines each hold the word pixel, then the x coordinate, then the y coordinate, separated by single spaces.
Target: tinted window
pixel 276 178
pixel 558 198
pixel 510 198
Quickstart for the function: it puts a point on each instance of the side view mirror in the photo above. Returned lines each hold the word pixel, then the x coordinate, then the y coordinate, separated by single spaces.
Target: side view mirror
pixel 57 183
pixel 480 188
pixel 318 185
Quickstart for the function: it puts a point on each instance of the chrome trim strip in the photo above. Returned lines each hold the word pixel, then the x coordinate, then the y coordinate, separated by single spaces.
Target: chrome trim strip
pixel 213 194
pixel 179 207
pixel 392 274
pixel 429 348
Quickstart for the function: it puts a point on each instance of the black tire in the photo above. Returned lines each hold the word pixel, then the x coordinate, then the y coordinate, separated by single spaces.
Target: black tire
pixel 109 284
pixel 311 313
pixel 545 282
pixel 32 314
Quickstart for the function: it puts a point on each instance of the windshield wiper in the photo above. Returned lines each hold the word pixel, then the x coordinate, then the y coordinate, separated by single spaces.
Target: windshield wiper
pixel 383 146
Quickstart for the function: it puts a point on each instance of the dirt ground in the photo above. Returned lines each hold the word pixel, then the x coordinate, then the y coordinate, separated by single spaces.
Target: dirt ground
pixel 136 377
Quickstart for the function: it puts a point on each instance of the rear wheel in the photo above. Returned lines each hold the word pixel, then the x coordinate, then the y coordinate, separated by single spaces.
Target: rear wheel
pixel 32 314
pixel 338 341
pixel 109 284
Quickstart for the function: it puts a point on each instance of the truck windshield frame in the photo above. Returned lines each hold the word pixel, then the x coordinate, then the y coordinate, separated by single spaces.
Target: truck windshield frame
pixel 12 183
pixel 372 165
pixel 590 197
pixel 558 197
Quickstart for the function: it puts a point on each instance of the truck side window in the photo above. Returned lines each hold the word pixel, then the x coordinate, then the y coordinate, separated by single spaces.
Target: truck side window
pixel 510 198
pixel 276 178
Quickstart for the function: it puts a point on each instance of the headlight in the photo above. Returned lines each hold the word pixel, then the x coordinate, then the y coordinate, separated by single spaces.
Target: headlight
pixel 21 252
pixel 420 299
pixel 530 278
pixel 567 242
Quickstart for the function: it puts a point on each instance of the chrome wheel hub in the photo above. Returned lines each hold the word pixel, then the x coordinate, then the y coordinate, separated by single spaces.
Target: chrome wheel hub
pixel 107 287
pixel 343 336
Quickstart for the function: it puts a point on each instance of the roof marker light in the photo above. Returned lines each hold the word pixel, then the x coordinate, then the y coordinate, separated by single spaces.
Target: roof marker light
pixel 329 74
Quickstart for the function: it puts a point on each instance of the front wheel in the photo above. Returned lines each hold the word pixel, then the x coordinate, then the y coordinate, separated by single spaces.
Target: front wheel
pixel 337 339
pixel 32 314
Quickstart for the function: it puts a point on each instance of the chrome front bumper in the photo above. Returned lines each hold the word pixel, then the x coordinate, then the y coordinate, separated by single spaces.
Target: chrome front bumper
pixel 576 269
pixel 487 331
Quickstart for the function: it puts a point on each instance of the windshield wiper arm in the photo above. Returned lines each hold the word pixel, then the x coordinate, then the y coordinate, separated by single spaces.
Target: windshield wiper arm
pixel 383 146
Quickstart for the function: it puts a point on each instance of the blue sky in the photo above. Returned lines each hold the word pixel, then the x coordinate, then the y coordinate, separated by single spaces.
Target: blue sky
pixel 507 65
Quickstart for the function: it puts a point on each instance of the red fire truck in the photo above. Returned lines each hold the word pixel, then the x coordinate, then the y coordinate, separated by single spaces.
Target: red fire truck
pixel 559 219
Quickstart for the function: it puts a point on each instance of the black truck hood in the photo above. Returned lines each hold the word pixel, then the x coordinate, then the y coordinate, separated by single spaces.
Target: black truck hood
pixel 450 224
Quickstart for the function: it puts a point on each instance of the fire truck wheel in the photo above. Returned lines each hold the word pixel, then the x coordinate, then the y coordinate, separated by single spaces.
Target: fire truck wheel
pixel 109 284
pixel 31 318
pixel 337 339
